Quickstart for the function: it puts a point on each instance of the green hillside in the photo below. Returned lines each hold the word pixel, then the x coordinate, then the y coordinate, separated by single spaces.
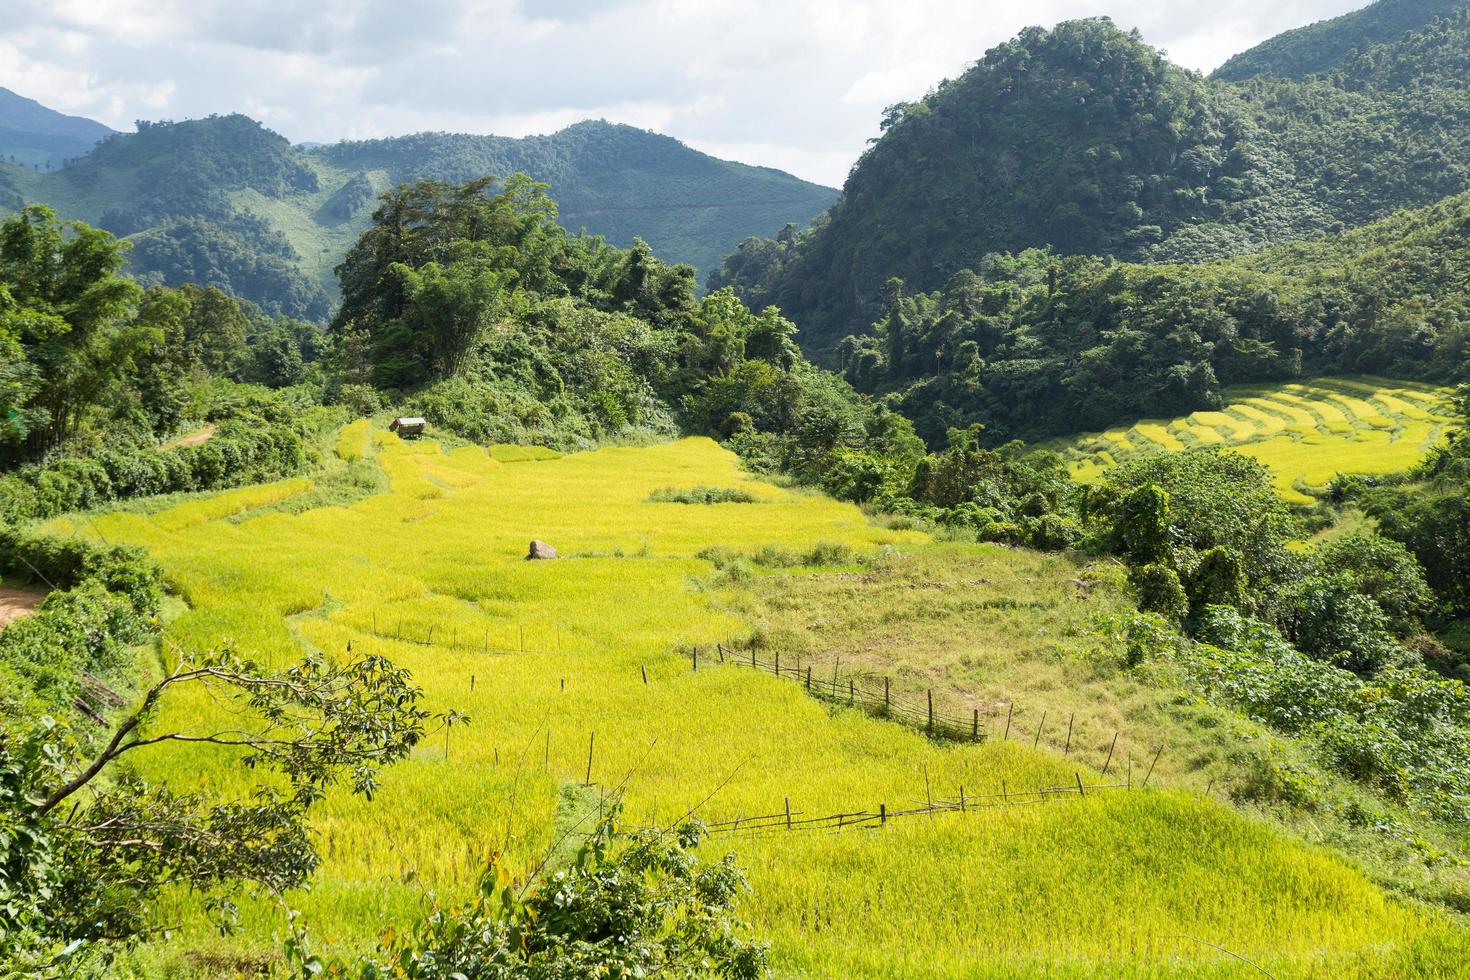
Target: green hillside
pixel 1086 140
pixel 223 201
pixel 1038 345
pixel 1320 47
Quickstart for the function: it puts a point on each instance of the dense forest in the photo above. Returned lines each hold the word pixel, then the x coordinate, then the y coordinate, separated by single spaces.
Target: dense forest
pixel 1084 139
pixel 1036 344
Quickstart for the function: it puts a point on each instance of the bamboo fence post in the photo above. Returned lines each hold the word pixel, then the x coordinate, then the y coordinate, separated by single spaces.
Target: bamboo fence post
pixel 591 737
pixel 788 813
pixel 1151 766
pixel 1109 761
pixel 1037 740
pixel 886 702
pixel 882 813
pixel 1080 790
pixel 1010 709
pixel 975 725
pixel 1070 718
pixel 644 669
pixel 849 691
pixel 962 797
pixel 929 725
pixel 809 679
pixel 472 682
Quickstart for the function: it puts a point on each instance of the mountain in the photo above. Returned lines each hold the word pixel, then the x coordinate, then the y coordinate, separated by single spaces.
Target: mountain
pixel 1086 140
pixel 616 181
pixel 32 135
pixel 1318 47
pixel 223 201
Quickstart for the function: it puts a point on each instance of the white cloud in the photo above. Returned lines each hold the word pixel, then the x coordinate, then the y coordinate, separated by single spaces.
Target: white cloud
pixel 796 84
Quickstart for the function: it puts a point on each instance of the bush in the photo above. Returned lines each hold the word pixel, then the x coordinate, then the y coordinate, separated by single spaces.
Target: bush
pixel 639 905
pixel 241 451
pixel 1386 572
pixel 1327 617
pixel 1158 590
pixel 702 495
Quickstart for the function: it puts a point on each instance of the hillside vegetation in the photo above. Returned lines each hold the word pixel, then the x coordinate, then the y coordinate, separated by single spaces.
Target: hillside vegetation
pixel 224 202
pixel 542 655
pixel 1320 47
pixel 1036 345
pixel 1084 139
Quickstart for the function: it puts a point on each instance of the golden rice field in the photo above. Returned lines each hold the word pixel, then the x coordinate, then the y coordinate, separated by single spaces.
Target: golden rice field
pixel 542 655
pixel 1306 433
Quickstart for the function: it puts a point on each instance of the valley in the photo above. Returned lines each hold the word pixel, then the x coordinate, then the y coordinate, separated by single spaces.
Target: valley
pixel 449 556
pixel 545 659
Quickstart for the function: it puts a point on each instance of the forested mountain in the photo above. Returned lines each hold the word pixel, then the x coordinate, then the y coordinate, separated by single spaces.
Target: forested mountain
pixel 225 202
pixel 1085 139
pixel 1316 48
pixel 1035 344
pixel 34 136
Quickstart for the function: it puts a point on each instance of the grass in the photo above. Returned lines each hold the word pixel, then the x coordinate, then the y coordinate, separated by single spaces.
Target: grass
pixel 1305 433
pixel 702 495
pixel 542 654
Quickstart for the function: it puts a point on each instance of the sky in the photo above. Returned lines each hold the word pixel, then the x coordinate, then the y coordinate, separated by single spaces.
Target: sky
pixel 794 84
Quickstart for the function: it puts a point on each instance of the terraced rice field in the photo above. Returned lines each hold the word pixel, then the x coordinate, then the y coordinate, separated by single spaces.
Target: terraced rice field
pixel 544 655
pixel 1306 433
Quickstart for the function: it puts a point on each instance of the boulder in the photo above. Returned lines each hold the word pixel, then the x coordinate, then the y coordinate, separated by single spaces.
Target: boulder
pixel 540 551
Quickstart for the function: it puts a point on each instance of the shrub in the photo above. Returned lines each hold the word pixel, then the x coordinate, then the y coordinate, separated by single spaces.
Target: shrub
pixel 702 495
pixel 1326 616
pixel 1158 590
pixel 1385 571
pixel 638 905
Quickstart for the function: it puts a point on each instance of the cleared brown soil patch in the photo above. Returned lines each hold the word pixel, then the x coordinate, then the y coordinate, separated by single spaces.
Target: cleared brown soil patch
pixel 15 603
pixel 192 439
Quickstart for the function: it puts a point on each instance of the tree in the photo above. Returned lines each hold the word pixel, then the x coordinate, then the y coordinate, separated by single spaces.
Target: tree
pixel 67 304
pixel 89 846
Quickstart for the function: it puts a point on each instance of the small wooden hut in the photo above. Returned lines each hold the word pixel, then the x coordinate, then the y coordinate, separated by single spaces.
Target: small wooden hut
pixel 407 428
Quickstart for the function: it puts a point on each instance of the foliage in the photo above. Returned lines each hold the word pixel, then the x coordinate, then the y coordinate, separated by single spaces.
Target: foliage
pixel 1085 140
pixel 1036 344
pixel 84 870
pixel 702 495
pixel 1404 732
pixel 1432 520
pixel 1325 45
pixel 223 202
pixel 629 905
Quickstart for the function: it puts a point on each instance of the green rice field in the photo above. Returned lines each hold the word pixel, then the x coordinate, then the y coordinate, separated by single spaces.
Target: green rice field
pixel 1306 432
pixel 547 659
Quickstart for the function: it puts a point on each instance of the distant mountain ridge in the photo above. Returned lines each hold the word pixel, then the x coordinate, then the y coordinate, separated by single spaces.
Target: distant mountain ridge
pixel 224 201
pixel 1318 47
pixel 37 136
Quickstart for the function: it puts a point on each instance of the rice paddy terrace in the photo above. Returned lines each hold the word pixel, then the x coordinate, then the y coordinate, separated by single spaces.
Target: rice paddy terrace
pixel 549 658
pixel 1306 433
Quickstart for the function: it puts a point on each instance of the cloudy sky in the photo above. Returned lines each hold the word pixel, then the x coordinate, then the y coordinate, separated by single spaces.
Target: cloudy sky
pixel 795 84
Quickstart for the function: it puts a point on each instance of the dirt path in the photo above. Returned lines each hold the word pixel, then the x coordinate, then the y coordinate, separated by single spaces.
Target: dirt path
pixel 16 603
pixel 192 439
